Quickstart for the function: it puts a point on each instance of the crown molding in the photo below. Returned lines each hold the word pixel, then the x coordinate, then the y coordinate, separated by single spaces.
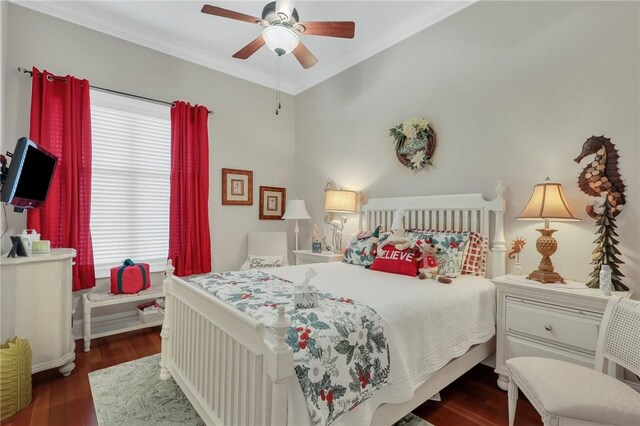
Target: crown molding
pixel 80 15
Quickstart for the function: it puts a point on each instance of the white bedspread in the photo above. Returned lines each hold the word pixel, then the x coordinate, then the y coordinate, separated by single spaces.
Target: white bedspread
pixel 427 324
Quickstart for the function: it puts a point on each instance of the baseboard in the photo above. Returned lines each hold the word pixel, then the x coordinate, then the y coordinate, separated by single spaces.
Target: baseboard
pixel 77 327
pixel 490 361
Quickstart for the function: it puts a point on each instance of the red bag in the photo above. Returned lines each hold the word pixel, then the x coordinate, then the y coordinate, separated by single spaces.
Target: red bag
pixel 130 278
pixel 396 261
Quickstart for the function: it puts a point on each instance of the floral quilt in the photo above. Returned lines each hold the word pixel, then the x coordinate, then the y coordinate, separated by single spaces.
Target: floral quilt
pixel 340 352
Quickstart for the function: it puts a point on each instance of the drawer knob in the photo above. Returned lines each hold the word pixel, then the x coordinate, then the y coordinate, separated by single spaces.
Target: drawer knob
pixel 548 327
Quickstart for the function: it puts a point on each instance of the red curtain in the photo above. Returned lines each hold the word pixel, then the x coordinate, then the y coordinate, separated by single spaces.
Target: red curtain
pixel 61 123
pixel 189 236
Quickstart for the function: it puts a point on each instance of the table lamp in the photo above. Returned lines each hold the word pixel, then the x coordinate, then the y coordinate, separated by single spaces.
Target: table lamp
pixel 339 201
pixel 296 210
pixel 547 203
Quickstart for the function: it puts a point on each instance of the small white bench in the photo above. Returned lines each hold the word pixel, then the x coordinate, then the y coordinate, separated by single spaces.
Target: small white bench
pixel 96 300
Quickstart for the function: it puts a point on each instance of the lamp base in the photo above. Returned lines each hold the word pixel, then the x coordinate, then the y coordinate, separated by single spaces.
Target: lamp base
pixel 545 277
pixel 546 245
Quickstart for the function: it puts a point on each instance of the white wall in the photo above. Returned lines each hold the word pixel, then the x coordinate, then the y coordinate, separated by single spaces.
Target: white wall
pixel 513 90
pixel 4 36
pixel 244 132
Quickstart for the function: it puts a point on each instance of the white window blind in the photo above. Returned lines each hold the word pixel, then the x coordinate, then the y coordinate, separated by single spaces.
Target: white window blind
pixel 130 181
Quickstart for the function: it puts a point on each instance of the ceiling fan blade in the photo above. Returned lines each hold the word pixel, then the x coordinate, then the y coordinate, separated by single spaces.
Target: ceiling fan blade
pixel 285 6
pixel 304 56
pixel 218 11
pixel 342 29
pixel 249 49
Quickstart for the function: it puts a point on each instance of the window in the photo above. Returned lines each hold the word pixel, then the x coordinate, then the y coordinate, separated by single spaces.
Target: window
pixel 130 181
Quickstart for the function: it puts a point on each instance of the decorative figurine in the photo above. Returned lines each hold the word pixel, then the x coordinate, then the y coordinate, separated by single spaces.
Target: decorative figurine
pixel 516 247
pixel 323 243
pixel 316 245
pixel 605 280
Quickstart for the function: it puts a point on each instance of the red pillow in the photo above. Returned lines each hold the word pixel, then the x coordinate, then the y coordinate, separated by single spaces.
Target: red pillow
pixel 396 261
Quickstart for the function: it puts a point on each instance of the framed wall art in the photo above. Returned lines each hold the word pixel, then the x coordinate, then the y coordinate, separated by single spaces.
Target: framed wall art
pixel 237 187
pixel 272 202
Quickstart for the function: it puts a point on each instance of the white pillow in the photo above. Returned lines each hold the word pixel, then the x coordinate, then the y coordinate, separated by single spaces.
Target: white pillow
pixel 258 262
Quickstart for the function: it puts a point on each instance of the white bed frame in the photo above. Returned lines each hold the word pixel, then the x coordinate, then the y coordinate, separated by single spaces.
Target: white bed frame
pixel 236 372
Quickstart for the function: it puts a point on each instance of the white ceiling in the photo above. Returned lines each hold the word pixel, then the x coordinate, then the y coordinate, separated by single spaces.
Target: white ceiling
pixel 178 28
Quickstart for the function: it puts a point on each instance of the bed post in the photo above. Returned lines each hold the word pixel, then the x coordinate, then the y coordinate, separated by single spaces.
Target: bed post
pixel 168 319
pixel 283 369
pixel 499 246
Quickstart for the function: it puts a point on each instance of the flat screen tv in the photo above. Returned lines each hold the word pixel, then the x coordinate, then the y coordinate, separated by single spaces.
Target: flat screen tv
pixel 30 175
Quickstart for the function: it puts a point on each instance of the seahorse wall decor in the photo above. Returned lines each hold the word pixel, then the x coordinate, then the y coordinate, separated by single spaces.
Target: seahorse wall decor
pixel 602 174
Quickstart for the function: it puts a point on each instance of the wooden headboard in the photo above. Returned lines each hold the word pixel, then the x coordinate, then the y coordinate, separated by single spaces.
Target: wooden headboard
pixel 458 212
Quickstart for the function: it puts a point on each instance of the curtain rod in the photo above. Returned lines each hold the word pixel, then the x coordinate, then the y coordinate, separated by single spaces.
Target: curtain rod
pixel 117 92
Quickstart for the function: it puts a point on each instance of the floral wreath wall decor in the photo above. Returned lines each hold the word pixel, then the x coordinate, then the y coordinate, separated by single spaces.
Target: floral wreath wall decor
pixel 415 142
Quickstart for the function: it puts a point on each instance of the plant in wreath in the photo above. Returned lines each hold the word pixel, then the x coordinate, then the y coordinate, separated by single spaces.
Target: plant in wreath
pixel 414 141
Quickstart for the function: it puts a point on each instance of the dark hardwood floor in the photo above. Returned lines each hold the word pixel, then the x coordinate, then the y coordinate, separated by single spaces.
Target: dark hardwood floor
pixel 474 399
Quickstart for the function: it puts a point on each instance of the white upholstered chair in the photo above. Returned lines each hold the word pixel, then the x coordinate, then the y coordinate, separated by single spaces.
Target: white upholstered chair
pixel 569 394
pixel 266 244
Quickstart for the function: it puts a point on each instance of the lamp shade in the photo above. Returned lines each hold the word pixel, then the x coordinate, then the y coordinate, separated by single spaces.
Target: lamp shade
pixel 296 210
pixel 547 202
pixel 340 201
pixel 281 40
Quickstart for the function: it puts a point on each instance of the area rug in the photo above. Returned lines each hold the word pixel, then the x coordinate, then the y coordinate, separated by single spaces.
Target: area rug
pixel 131 394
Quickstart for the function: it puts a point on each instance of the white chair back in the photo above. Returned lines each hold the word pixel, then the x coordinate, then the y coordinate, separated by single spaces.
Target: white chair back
pixel 619 338
pixel 266 244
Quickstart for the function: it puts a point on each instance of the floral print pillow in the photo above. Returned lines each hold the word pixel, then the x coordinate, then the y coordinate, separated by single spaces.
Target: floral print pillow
pixel 361 249
pixel 452 249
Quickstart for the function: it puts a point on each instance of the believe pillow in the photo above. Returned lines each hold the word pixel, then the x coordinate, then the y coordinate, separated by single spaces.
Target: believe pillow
pixel 401 262
pixel 259 262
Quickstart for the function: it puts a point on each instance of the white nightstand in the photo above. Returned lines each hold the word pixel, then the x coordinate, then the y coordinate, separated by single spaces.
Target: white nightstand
pixel 546 320
pixel 304 257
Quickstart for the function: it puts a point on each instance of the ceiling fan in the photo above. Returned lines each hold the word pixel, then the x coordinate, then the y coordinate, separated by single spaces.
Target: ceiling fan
pixel 282 28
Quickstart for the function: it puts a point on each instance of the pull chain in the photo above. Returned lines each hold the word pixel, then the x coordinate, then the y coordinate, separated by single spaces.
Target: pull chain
pixel 278 103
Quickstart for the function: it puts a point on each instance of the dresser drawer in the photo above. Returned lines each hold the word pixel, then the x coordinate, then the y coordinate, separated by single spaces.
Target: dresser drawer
pixel 565 326
pixel 516 347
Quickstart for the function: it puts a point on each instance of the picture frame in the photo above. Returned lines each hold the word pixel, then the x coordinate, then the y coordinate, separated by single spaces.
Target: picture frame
pixel 272 202
pixel 237 187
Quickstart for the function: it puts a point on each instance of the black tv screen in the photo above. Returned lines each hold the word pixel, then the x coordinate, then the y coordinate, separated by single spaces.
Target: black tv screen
pixel 30 175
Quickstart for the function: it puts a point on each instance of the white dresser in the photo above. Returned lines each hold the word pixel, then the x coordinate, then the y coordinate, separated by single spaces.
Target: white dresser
pixel 36 304
pixel 304 257
pixel 546 320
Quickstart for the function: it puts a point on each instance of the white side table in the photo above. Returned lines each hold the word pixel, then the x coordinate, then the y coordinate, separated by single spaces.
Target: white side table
pixel 304 257
pixel 546 320
pixel 36 305
pixel 97 300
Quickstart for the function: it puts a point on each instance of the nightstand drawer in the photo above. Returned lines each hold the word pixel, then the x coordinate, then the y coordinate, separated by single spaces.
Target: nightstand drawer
pixel 563 326
pixel 517 347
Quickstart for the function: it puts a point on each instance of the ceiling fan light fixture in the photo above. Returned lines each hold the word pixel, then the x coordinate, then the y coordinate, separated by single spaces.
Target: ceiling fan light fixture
pixel 280 39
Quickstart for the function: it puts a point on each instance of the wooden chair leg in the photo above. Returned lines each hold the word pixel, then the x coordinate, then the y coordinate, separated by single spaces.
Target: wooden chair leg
pixel 513 401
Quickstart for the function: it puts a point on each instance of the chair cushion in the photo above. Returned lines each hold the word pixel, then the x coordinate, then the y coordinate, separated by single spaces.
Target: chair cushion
pixel 568 390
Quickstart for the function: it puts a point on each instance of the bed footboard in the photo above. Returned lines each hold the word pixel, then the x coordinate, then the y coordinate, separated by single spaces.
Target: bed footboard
pixel 231 368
